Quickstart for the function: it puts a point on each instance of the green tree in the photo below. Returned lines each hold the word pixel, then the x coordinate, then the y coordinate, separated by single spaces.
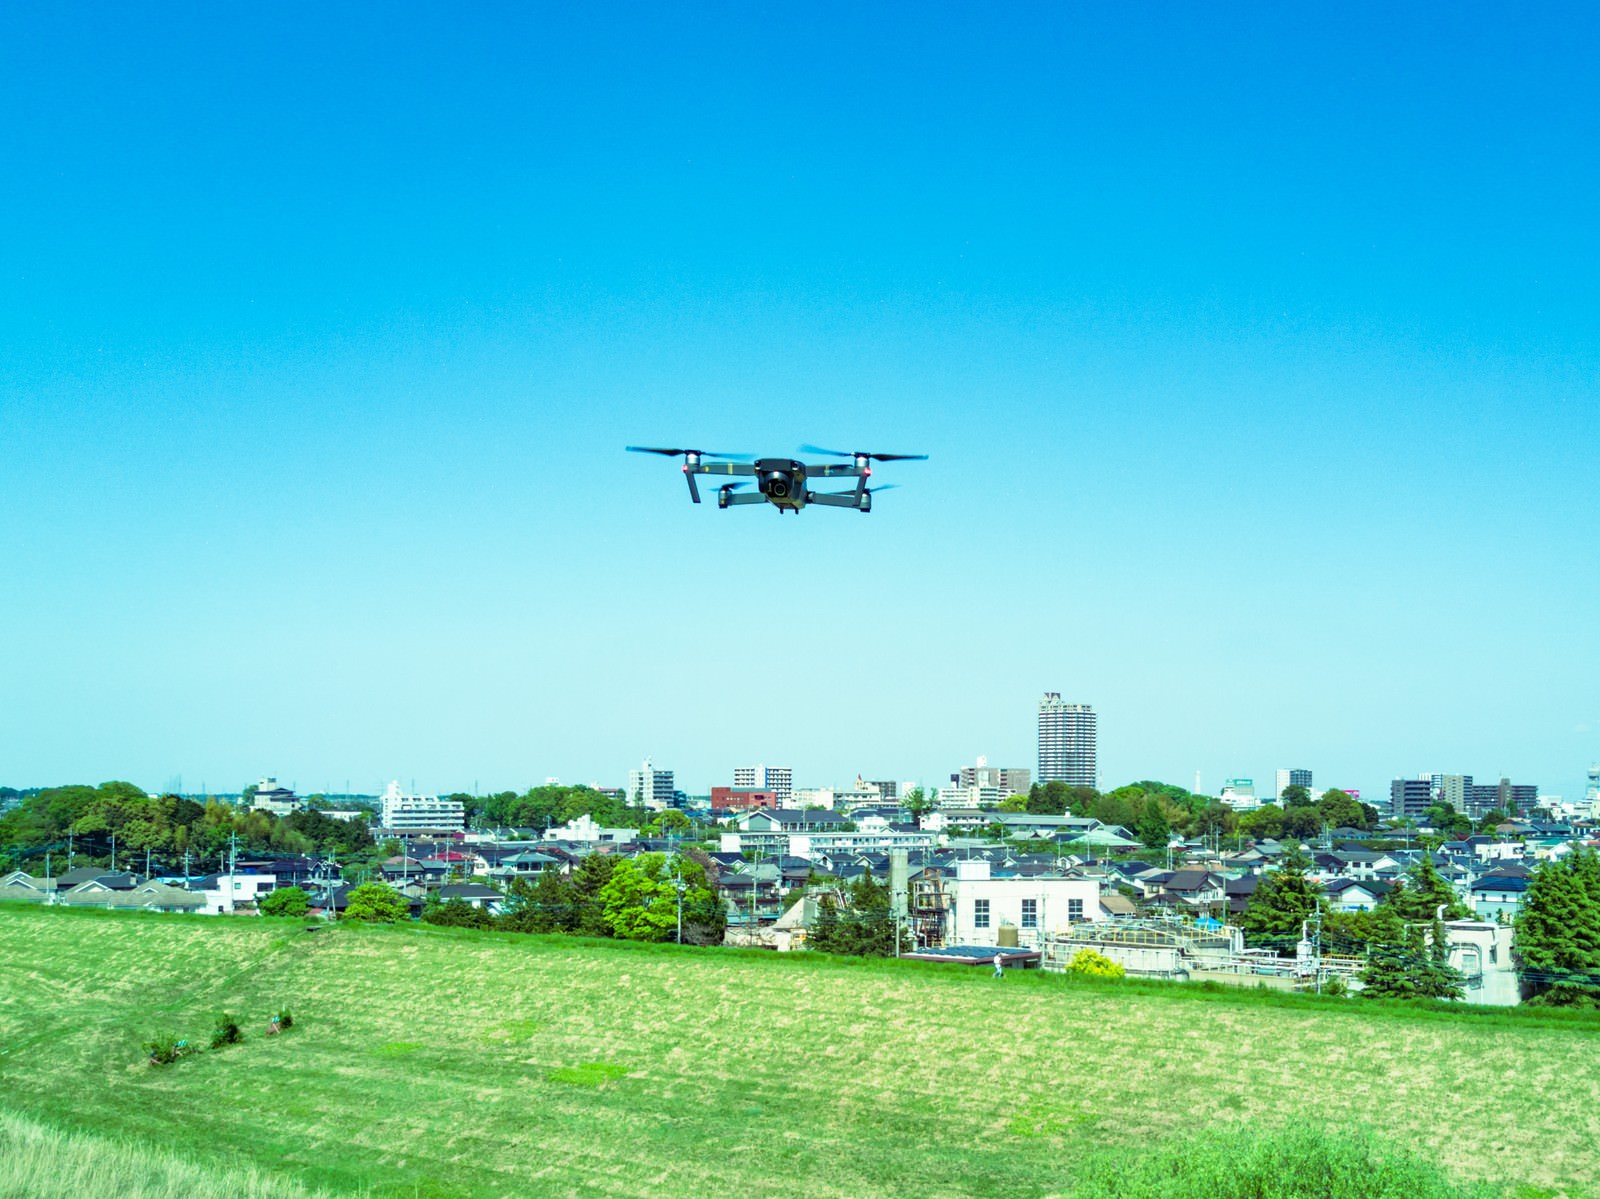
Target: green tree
pixel 455 913
pixel 1339 809
pixel 1263 823
pixel 546 904
pixel 588 880
pixel 1302 823
pixel 861 925
pixel 639 902
pixel 1418 897
pixel 1155 831
pixel 1284 899
pixel 1296 795
pixel 375 903
pixel 917 804
pixel 285 901
pixel 1558 932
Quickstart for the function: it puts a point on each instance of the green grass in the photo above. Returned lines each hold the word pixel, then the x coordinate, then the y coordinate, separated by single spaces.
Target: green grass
pixel 37 1162
pixel 445 1063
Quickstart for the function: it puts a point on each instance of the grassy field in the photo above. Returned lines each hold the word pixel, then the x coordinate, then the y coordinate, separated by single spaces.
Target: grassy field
pixel 428 1062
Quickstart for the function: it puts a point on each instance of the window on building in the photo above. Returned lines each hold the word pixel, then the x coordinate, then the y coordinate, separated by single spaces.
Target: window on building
pixel 1030 913
pixel 1074 909
pixel 980 913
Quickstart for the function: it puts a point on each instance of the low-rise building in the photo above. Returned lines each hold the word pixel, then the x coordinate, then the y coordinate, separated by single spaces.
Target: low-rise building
pixel 413 814
pixel 970 904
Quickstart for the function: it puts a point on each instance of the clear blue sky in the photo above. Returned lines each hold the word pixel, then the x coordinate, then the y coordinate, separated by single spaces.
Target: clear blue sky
pixel 1255 352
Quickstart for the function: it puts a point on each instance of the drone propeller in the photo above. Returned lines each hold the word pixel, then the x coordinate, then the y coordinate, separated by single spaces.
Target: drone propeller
pixel 817 449
pixel 650 449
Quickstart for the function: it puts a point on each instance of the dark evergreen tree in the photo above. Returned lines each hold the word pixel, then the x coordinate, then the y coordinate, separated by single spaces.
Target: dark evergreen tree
pixel 1558 932
pixel 1284 900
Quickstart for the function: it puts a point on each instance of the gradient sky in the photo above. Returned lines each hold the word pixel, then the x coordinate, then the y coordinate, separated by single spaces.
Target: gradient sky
pixel 1255 350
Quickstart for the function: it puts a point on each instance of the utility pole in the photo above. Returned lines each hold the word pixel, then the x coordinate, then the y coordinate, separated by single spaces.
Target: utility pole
pixel 113 851
pixel 1316 950
pixel 69 851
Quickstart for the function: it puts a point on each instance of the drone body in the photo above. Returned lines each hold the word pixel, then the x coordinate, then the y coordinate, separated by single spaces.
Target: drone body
pixel 781 482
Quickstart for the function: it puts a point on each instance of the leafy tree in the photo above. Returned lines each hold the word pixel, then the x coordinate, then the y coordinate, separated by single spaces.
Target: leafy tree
pixel 640 903
pixel 1154 830
pixel 916 804
pixel 1262 823
pixel 1296 795
pixel 1284 899
pixel 1339 809
pixel 1214 817
pixel 1302 822
pixel 285 901
pixel 375 903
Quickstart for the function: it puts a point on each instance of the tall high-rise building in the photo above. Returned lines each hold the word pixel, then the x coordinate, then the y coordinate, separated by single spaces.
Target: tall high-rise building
pixel 654 788
pixel 1290 778
pixel 1067 740
pixel 1591 790
pixel 777 779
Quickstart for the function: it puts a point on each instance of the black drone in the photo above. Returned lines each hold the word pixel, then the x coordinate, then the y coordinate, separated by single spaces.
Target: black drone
pixel 781 482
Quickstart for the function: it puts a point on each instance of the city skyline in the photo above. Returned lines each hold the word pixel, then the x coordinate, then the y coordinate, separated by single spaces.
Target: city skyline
pixel 1257 355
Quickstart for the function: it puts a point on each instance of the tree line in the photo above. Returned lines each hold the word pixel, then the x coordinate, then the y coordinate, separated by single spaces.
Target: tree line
pixel 92 819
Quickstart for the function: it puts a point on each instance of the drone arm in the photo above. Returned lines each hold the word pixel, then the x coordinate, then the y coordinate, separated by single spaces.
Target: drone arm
pixel 732 499
pixel 861 500
pixel 721 468
pixel 688 477
pixel 833 471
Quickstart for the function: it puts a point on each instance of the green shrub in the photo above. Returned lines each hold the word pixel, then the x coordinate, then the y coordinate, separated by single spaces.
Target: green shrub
pixel 226 1032
pixel 1089 964
pixel 164 1049
pixel 285 901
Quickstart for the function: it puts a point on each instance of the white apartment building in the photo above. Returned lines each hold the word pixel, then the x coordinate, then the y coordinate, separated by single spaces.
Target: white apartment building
pixel 402 813
pixel 974 795
pixel 777 779
pixel 653 787
pixel 980 904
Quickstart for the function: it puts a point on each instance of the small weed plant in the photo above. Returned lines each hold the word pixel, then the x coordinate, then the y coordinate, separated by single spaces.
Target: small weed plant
pixel 226 1032
pixel 165 1048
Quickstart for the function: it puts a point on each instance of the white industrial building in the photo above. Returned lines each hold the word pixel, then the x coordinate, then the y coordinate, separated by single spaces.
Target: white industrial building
pixel 978 906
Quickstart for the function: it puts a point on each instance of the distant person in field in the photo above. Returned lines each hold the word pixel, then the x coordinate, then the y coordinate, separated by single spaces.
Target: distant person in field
pixel 999 966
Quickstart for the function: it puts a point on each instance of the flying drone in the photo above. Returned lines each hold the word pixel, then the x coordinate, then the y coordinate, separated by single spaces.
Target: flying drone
pixel 782 482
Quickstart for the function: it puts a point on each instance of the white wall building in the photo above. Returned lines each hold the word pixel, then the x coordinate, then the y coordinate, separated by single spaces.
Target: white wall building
pixel 1240 794
pixel 980 904
pixel 402 813
pixel 777 779
pixel 651 786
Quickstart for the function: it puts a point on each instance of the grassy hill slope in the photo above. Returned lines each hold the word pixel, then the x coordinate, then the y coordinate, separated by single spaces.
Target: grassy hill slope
pixel 430 1062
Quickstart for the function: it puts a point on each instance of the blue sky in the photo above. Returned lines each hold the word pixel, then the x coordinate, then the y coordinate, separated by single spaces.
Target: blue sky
pixel 1255 353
